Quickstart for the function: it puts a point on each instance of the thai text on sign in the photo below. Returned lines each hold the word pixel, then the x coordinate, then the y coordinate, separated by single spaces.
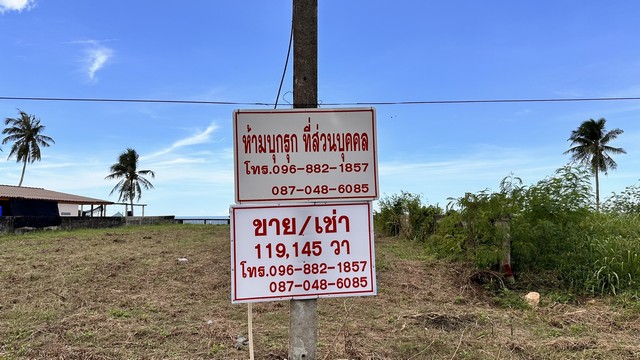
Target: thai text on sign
pixel 305 155
pixel 301 251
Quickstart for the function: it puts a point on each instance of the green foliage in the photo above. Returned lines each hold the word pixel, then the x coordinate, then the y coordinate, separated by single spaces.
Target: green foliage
pixel 612 254
pixel 568 191
pixel 561 297
pixel 26 134
pixel 590 147
pixel 629 301
pixel 388 219
pixel 422 220
pixel 404 214
pixel 216 348
pixel 546 228
pixel 508 299
pixel 448 242
pixel 119 313
pixel 558 240
pixel 472 229
pixel 132 180
pixel 627 202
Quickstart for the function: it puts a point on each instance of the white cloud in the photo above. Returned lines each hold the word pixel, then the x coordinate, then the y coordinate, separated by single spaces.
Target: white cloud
pixel 199 138
pixel 97 57
pixel 16 5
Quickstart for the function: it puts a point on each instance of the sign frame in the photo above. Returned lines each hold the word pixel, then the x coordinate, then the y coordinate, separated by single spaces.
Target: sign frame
pixel 305 155
pixel 328 251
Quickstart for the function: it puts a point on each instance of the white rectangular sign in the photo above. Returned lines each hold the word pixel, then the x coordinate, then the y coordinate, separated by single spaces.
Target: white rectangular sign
pixel 301 251
pixel 305 155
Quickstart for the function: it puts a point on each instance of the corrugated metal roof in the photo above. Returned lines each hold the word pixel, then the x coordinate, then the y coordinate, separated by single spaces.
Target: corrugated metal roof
pixel 22 192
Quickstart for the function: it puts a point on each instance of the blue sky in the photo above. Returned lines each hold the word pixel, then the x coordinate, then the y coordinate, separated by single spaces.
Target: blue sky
pixel 369 51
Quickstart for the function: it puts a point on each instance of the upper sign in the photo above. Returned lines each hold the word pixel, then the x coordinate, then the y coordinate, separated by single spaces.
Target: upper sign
pixel 305 155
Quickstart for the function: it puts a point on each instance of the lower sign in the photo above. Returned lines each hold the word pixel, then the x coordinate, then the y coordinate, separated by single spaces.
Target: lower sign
pixel 301 252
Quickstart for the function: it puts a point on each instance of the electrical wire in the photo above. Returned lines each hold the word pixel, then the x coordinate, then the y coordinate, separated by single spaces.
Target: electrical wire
pixel 358 103
pixel 161 101
pixel 286 62
pixel 430 102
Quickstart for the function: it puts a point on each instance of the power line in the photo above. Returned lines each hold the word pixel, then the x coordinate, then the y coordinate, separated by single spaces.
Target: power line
pixel 286 62
pixel 363 103
pixel 160 101
pixel 429 102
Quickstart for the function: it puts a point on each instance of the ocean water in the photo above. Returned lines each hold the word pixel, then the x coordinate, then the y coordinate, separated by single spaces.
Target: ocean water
pixel 207 220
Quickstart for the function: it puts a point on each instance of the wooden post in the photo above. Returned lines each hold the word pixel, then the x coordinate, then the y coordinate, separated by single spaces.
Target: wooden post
pixel 303 313
pixel 502 225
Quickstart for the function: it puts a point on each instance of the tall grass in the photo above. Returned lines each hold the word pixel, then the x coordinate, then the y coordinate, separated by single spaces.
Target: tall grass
pixel 613 253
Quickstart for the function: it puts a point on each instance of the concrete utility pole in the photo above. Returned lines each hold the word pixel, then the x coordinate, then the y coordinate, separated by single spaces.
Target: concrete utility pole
pixel 303 313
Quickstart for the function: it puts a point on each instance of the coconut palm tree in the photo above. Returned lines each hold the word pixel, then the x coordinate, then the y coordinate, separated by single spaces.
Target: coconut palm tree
pixel 590 147
pixel 132 180
pixel 26 133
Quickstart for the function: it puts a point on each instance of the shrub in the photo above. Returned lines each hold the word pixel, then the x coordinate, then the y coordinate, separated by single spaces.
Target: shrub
pixel 470 231
pixel 404 214
pixel 558 239
pixel 627 202
pixel 547 227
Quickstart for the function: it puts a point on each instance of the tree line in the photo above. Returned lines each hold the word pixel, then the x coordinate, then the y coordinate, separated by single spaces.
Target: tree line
pixel 589 146
pixel 26 134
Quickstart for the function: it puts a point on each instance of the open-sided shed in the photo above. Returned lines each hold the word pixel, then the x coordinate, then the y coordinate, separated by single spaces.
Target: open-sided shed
pixel 30 201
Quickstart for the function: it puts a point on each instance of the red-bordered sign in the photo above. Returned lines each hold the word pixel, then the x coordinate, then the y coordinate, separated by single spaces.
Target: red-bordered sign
pixel 301 251
pixel 305 155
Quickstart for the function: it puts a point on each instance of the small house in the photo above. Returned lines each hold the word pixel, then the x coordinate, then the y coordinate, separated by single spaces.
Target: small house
pixel 30 202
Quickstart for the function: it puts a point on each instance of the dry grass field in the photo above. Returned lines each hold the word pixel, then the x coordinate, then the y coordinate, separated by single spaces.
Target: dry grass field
pixel 123 294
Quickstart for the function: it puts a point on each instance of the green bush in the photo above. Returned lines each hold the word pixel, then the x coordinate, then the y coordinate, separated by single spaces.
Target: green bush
pixel 449 240
pixel 389 219
pixel 547 226
pixel 404 214
pixel 558 240
pixel 470 231
pixel 627 202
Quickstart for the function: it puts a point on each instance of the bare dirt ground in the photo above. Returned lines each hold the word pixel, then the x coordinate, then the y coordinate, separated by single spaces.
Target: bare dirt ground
pixel 123 294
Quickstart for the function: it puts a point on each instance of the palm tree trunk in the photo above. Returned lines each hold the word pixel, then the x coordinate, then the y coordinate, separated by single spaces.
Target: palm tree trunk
pixel 24 167
pixel 597 192
pixel 132 207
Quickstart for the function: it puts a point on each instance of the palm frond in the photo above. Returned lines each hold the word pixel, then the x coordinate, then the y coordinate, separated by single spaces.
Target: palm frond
pixel 589 147
pixel 132 180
